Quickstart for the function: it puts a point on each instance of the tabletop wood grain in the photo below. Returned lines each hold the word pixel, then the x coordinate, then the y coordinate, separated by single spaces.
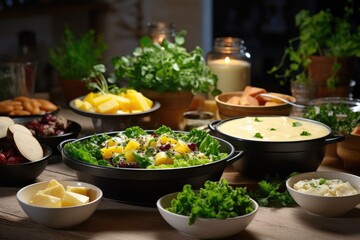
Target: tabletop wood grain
pixel 115 220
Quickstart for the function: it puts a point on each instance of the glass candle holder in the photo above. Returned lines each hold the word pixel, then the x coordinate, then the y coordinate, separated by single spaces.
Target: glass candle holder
pixel 158 31
pixel 230 61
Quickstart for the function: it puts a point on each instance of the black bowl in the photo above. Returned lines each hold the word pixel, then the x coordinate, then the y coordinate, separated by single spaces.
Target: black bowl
pixel 263 158
pixel 24 173
pixel 146 186
pixel 53 141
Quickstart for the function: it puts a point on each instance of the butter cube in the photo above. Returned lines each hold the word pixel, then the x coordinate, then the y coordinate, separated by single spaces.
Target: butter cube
pixel 74 199
pixel 44 200
pixel 56 191
pixel 79 190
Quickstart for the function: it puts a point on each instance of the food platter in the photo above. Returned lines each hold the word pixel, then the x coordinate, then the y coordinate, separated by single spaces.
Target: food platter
pixel 112 122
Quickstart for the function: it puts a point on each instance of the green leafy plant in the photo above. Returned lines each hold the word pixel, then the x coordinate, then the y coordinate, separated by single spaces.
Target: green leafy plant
pixel 321 34
pixel 273 193
pixel 76 56
pixel 166 67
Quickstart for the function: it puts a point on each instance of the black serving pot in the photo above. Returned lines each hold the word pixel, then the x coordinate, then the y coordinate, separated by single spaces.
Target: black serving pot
pixel 263 158
pixel 25 173
pixel 146 186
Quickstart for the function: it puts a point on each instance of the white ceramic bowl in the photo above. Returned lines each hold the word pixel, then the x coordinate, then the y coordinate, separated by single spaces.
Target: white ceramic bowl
pixel 59 218
pixel 204 228
pixel 325 205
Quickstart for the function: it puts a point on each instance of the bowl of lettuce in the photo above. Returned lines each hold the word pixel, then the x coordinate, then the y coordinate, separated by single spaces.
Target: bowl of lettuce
pixel 215 211
pixel 139 166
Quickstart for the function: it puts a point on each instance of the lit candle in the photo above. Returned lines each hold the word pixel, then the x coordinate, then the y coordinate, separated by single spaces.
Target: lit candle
pixel 233 74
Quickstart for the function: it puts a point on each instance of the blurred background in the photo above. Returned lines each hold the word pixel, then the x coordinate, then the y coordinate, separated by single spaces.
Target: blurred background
pixel 264 25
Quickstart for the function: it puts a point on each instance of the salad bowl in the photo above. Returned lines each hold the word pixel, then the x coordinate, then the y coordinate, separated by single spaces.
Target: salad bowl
pixel 145 186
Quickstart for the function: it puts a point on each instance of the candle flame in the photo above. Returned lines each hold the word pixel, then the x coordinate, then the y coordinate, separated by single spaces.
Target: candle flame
pixel 227 60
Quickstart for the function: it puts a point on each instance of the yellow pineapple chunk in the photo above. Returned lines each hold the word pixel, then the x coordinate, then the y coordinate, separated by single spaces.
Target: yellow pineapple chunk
pixel 129 156
pixel 111 142
pixel 44 200
pixel 182 148
pixel 101 99
pixel 89 98
pixel 124 103
pixel 108 152
pixel 132 145
pixel 79 103
pixel 87 107
pixel 138 100
pixel 164 139
pixel 162 158
pixel 109 106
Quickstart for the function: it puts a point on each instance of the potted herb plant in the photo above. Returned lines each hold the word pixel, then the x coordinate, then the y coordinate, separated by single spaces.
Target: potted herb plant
pixel 74 58
pixel 325 43
pixel 167 73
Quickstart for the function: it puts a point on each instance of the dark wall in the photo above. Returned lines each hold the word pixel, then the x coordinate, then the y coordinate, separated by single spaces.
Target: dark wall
pixel 266 26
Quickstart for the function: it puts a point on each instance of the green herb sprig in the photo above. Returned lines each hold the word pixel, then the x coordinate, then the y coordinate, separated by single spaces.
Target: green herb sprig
pixel 271 193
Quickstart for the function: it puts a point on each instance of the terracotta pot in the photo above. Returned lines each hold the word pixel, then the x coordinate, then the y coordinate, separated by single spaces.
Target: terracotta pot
pixel 320 69
pixel 173 106
pixel 349 152
pixel 73 88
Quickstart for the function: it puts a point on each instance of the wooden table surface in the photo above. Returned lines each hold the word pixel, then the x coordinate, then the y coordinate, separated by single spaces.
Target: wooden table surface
pixel 114 220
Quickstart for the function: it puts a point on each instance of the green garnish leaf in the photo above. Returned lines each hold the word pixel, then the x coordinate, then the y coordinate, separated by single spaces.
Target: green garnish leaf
pixel 296 124
pixel 258 135
pixel 272 129
pixel 257 120
pixel 271 193
pixel 322 181
pixel 134 132
pixel 305 133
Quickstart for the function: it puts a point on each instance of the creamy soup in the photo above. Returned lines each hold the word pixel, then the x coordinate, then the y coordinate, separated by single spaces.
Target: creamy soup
pixel 273 129
pixel 325 187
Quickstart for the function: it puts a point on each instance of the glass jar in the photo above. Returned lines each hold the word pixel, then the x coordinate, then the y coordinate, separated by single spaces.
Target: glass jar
pixel 230 61
pixel 158 31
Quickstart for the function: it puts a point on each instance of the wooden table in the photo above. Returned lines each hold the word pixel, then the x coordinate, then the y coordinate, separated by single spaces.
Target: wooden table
pixel 114 220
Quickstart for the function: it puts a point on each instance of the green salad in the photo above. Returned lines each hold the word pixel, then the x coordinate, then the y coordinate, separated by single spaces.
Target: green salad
pixel 339 117
pixel 216 200
pixel 136 148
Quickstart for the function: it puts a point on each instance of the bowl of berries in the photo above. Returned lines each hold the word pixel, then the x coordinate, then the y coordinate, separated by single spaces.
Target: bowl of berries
pixel 51 130
pixel 22 157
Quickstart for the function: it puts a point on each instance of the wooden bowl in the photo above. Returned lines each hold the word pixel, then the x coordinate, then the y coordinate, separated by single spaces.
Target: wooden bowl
pixel 349 151
pixel 228 110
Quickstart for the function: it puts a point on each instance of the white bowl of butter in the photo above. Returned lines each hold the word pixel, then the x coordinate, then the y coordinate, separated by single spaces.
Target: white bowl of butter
pixel 59 204
pixel 329 194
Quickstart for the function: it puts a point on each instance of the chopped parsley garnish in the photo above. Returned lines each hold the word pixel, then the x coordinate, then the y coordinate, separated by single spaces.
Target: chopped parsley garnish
pixel 313 185
pixel 272 129
pixel 296 124
pixel 322 181
pixel 273 193
pixel 258 135
pixel 257 120
pixel 305 133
